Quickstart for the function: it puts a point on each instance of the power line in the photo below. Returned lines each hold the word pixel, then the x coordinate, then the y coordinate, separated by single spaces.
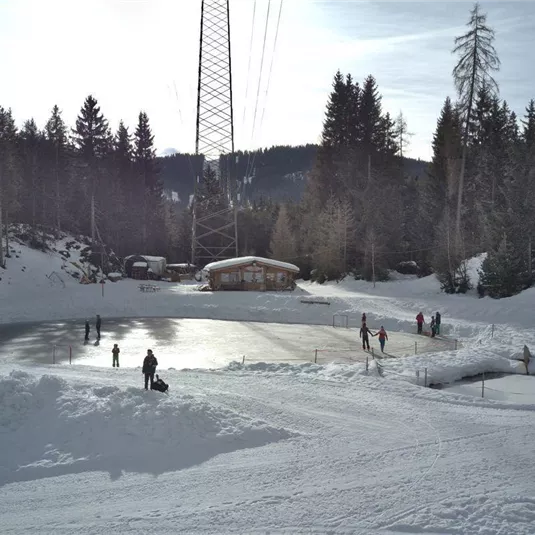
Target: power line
pixel 249 64
pixel 259 82
pixel 269 77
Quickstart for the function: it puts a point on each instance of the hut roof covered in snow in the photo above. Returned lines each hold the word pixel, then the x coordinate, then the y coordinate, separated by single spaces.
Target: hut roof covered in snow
pixel 246 260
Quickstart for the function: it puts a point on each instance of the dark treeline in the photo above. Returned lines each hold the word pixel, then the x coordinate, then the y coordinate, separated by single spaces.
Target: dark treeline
pixel 86 180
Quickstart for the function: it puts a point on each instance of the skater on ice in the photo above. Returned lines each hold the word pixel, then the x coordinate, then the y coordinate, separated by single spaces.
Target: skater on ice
pixel 364 332
pixel 115 352
pixel 383 337
pixel 438 321
pixel 99 323
pixel 420 322
pixel 87 329
pixel 149 368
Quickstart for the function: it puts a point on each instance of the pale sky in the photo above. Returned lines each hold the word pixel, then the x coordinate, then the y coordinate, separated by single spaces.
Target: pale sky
pixel 137 55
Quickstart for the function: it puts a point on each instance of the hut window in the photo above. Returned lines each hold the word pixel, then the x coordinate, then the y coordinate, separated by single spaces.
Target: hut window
pixel 253 276
pixel 281 276
pixel 233 276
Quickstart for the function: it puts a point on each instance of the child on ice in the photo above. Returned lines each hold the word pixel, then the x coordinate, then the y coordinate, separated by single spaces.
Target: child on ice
pixel 383 337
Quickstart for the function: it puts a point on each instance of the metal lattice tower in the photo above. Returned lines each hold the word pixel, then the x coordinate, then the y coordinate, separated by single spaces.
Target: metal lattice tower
pixel 214 235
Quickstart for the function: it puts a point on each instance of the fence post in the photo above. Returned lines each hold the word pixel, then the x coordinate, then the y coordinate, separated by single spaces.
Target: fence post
pixel 333 319
pixel 455 344
pixel 243 360
pixel 70 354
pixel 315 356
pixel 367 364
pixel 54 355
pixel 425 377
pixel 418 377
pixel 492 333
pixel 483 386
pixel 373 354
pixel 415 348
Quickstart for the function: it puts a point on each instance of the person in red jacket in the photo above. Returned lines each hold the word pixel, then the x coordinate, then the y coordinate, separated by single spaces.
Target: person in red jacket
pixel 383 337
pixel 420 322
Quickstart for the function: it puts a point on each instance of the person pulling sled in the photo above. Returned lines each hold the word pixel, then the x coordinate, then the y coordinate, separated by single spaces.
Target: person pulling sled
pixel 149 368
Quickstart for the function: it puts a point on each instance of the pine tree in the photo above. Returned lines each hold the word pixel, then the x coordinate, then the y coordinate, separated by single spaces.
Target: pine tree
pixel 528 134
pixel 283 246
pixel 56 135
pixel 503 273
pixel 31 141
pixel 9 182
pixel 148 171
pixel 478 59
pixel 370 114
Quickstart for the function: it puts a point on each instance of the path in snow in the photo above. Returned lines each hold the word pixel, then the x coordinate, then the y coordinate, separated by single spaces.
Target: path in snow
pixel 197 343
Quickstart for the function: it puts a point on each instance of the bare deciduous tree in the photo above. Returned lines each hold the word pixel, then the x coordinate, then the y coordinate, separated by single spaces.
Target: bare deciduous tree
pixel 478 59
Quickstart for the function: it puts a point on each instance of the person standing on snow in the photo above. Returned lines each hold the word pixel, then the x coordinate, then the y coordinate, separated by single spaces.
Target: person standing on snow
pixel 149 368
pixel 420 322
pixel 115 352
pixel 433 327
pixel 364 332
pixel 99 323
pixel 383 337
pixel 87 329
pixel 363 319
pixel 438 319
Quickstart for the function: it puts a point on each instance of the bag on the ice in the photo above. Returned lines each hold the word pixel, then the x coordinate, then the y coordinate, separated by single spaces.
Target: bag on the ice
pixel 159 385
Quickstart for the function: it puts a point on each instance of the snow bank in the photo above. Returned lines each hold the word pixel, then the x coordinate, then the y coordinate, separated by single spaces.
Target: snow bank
pixel 49 427
pixel 449 366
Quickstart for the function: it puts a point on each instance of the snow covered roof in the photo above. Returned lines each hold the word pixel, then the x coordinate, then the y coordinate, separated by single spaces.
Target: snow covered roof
pixel 147 258
pixel 244 260
pixel 140 264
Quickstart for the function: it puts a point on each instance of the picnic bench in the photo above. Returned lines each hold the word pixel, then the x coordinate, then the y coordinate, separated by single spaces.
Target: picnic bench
pixel 148 288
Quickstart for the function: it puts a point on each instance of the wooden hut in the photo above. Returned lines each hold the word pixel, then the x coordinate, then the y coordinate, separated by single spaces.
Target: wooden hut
pixel 251 273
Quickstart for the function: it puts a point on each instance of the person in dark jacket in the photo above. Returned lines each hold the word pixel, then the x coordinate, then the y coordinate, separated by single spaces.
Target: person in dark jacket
pixel 99 323
pixel 87 329
pixel 433 327
pixel 363 319
pixel 149 368
pixel 438 319
pixel 420 322
pixel 159 385
pixel 115 352
pixel 364 332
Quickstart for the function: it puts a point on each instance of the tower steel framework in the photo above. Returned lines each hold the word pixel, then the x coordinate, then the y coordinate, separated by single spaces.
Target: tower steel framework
pixel 215 232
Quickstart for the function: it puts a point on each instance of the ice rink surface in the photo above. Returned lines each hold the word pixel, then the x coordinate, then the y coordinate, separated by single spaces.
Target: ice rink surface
pixel 200 343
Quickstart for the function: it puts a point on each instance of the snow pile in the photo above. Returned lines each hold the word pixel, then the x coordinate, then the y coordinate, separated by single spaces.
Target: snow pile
pixel 449 366
pixel 326 372
pixel 49 427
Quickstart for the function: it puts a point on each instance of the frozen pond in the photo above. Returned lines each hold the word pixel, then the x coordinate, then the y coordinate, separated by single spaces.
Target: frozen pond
pixel 198 343
pixel 515 388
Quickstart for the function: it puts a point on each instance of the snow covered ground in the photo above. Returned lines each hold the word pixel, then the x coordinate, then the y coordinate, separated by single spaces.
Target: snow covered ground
pixel 277 444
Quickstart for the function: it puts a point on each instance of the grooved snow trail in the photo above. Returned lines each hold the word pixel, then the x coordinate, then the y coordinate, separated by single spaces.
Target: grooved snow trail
pixel 357 456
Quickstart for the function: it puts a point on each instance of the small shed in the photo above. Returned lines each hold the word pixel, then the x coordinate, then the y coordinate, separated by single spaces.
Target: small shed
pixel 185 271
pixel 156 264
pixel 251 273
